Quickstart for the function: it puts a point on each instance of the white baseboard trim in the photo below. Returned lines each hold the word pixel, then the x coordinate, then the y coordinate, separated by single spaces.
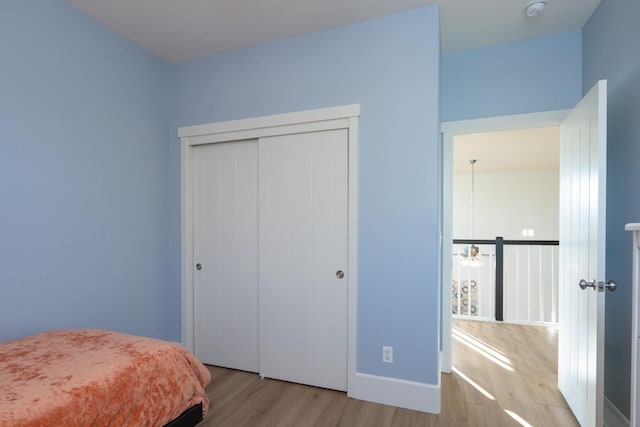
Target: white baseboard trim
pixel 612 415
pixel 395 392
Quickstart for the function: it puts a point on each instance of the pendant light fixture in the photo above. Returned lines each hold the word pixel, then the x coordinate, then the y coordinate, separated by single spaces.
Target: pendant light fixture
pixel 472 253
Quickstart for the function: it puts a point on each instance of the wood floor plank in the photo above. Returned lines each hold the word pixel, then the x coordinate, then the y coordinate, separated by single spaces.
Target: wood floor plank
pixel 307 410
pixel 453 403
pixel 513 396
pixel 476 383
pixel 341 411
pixel 226 414
pixel 373 414
pixel 515 366
pixel 407 417
pixel 263 397
pixel 485 416
pixel 225 387
pixel 556 416
pixel 288 395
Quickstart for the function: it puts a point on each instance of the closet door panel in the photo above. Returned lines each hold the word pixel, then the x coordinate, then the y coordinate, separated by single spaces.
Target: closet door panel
pixel 225 247
pixel 303 243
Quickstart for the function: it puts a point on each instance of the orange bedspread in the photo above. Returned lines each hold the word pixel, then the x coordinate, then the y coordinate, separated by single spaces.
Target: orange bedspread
pixel 97 378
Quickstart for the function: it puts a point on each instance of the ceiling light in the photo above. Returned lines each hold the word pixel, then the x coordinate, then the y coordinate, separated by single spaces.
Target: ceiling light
pixel 471 253
pixel 535 8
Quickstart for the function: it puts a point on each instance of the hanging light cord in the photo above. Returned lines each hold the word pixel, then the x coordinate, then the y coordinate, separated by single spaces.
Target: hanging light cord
pixel 473 198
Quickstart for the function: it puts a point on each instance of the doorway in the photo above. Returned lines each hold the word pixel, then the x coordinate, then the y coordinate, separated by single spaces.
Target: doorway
pixel 471 211
pixel 506 185
pixel 451 130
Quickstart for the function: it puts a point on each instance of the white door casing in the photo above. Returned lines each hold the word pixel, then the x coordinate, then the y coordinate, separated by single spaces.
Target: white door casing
pixel 226 255
pixel 449 131
pixel 303 247
pixel 582 256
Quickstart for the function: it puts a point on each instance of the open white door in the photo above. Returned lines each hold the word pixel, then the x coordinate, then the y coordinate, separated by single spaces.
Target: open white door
pixel 583 161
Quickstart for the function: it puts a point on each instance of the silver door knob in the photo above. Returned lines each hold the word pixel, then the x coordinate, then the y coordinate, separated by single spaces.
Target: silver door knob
pixel 198 266
pixel 339 274
pixel 584 284
pixel 611 285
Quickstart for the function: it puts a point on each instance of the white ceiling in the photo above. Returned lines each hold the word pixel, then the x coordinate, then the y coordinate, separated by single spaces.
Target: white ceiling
pixel 474 23
pixel 505 151
pixel 182 30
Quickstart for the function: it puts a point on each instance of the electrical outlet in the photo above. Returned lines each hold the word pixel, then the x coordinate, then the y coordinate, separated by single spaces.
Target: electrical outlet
pixel 387 354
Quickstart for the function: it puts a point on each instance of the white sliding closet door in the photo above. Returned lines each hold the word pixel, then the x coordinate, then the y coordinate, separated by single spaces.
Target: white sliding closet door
pixel 225 254
pixel 303 254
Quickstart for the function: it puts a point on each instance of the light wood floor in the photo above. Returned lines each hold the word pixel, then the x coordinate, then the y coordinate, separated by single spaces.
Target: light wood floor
pixel 504 375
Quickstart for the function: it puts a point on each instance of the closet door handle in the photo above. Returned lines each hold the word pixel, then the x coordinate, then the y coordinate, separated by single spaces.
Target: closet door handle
pixel 198 266
pixel 339 274
pixel 584 284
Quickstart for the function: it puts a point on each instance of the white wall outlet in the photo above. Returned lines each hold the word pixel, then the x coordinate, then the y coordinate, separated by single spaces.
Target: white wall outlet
pixel 387 354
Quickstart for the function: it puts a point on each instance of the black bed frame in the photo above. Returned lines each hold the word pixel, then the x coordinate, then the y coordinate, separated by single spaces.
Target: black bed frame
pixel 189 418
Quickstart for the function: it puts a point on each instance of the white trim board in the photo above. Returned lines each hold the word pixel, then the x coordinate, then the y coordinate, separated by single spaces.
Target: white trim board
pixel 344 117
pixel 395 392
pixel 277 120
pixel 449 130
pixel 511 122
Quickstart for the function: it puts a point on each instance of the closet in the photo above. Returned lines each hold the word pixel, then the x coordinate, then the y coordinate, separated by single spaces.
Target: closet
pixel 269 255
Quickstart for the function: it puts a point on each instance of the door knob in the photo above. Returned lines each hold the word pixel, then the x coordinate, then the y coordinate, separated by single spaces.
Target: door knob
pixel 339 274
pixel 611 285
pixel 198 266
pixel 584 284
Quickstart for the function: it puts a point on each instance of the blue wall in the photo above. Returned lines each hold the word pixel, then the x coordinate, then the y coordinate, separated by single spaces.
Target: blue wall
pixel 89 182
pixel 83 176
pixel 390 66
pixel 610 51
pixel 539 74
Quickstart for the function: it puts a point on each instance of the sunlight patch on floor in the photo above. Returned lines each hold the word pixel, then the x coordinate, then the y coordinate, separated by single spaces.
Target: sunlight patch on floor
pixel 486 351
pixel 518 418
pixel 474 384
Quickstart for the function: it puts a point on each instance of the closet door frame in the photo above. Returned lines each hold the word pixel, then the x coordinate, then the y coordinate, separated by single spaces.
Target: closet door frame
pixel 342 117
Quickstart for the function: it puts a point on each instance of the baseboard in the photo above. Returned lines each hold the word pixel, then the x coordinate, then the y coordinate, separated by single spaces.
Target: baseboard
pixel 395 392
pixel 612 415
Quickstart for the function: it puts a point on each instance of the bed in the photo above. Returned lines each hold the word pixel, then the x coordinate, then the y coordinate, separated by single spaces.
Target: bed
pixel 91 377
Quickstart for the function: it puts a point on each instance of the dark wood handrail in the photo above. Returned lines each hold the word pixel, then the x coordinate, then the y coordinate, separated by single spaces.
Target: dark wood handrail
pixel 507 242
